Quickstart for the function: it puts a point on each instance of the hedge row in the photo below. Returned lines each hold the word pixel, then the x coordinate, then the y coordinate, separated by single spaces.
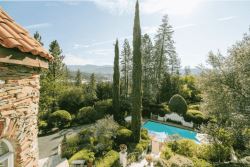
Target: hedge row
pixel 108 160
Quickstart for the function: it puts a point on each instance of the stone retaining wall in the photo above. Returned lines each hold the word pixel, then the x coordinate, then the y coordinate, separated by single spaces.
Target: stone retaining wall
pixel 19 98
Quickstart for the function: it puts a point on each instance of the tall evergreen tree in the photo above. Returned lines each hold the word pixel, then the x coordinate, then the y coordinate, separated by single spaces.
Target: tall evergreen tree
pixel 147 68
pixel 136 77
pixel 90 91
pixel 38 37
pixel 116 86
pixel 78 79
pixel 166 60
pixel 126 67
pixel 52 80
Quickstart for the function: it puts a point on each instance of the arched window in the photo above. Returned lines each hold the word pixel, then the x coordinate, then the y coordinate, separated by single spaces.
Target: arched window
pixel 6 154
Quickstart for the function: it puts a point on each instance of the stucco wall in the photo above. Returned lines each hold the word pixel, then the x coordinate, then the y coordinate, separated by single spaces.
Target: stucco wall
pixel 19 97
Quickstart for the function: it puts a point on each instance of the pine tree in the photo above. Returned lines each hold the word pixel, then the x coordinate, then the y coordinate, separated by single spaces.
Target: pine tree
pixel 116 86
pixel 166 60
pixel 90 91
pixel 126 67
pixel 148 68
pixel 78 79
pixel 136 77
pixel 52 80
pixel 38 37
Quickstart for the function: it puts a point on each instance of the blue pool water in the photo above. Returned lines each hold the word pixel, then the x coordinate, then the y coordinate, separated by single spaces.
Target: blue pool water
pixel 155 127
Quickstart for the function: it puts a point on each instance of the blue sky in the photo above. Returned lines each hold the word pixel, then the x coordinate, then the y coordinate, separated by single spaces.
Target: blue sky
pixel 86 30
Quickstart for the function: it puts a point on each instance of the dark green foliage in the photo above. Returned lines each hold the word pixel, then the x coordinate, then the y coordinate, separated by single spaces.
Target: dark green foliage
pixel 178 104
pixel 156 109
pixel 61 118
pixel 70 145
pixel 124 136
pixel 125 106
pixel 51 80
pixel 169 87
pixel 195 116
pixel 38 37
pixel 78 79
pixel 90 91
pixel 126 67
pixel 104 90
pixel 87 115
pixel 136 77
pixel 72 100
pixel 103 107
pixel 108 160
pixel 116 87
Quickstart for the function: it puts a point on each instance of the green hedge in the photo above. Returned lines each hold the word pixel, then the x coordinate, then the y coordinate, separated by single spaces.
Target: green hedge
pixel 156 109
pixel 195 116
pixel 103 107
pixel 108 160
pixel 178 104
pixel 84 154
pixel 124 136
pixel 61 118
pixel 70 145
pixel 194 107
pixel 86 115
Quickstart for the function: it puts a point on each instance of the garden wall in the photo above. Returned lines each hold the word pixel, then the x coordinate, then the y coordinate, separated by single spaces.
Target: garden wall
pixel 19 97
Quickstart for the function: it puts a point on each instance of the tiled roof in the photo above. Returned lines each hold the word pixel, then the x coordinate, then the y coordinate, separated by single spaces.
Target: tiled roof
pixel 14 36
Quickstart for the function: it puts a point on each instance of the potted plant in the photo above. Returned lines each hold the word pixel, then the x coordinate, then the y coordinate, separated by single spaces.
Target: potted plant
pixel 90 162
pixel 123 148
pixel 149 159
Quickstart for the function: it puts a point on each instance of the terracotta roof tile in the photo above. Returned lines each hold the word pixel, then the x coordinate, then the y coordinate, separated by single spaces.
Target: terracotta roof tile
pixel 14 36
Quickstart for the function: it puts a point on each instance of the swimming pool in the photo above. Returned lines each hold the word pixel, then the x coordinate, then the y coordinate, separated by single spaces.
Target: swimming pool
pixel 159 128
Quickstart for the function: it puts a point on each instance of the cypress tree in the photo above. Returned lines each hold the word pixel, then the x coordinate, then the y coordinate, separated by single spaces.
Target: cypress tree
pixel 116 85
pixel 136 77
pixel 78 79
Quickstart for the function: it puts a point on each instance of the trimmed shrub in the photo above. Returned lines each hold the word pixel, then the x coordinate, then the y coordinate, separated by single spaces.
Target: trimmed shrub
pixel 195 116
pixel 179 161
pixel 123 136
pixel 184 147
pixel 72 100
pixel 70 146
pixel 61 118
pixel 108 160
pixel 86 115
pixel 103 107
pixel 178 104
pixel 156 109
pixel 84 154
pixel 42 125
pixel 144 134
pixel 194 107
pixel 142 146
pixel 201 163
pixel 166 153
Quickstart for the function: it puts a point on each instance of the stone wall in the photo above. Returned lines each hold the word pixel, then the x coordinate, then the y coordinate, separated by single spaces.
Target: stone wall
pixel 19 97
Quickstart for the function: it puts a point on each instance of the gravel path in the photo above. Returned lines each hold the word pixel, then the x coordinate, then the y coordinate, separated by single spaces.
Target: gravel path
pixel 48 145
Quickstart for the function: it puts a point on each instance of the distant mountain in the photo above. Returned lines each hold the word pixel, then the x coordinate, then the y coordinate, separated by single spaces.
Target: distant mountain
pixel 105 69
pixel 108 69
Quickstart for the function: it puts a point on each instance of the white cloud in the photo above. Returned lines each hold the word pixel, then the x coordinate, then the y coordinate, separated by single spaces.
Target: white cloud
pixel 226 18
pixel 176 7
pixel 149 29
pixel 37 26
pixel 97 57
pixel 184 26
